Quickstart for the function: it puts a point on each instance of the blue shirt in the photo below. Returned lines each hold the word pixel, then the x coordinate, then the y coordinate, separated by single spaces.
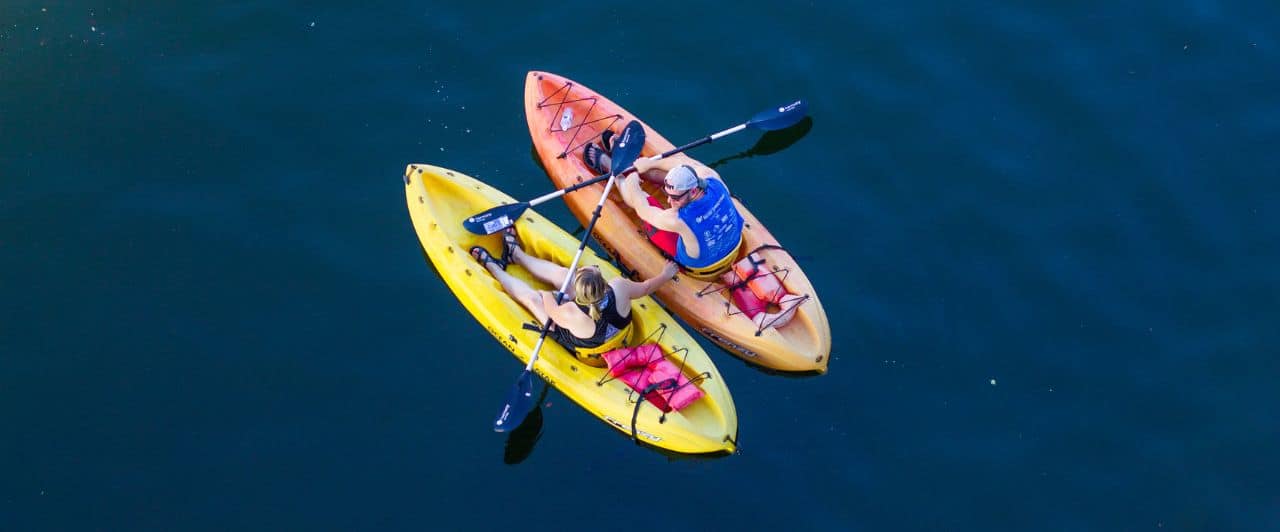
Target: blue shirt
pixel 715 222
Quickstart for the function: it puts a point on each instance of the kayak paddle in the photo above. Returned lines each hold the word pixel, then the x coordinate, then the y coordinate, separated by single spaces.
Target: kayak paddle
pixel 502 216
pixel 520 399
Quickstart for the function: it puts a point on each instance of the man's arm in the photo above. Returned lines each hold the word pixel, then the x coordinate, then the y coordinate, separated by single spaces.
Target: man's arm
pixel 636 198
pixel 665 164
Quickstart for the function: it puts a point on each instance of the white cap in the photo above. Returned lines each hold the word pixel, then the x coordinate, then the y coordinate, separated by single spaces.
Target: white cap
pixel 682 178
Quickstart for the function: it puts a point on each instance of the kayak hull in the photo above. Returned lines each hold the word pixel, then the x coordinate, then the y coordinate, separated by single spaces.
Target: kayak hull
pixel 439 199
pixel 564 115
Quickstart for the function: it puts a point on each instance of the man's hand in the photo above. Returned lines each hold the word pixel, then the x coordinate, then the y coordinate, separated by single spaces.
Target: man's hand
pixel 629 189
pixel 643 165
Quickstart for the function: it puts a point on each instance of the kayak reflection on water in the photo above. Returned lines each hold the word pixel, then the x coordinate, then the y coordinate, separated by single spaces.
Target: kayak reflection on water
pixel 520 441
pixel 772 142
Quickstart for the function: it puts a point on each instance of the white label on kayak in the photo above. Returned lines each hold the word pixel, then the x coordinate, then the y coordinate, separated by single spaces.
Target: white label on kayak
pixel 625 428
pixel 728 344
pixel 495 225
pixel 566 119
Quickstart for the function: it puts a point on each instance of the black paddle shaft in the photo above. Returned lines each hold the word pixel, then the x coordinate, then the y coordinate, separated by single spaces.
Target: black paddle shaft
pixel 664 155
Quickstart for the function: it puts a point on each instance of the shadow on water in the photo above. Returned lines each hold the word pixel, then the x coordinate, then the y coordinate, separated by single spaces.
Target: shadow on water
pixel 533 154
pixel 673 456
pixel 520 441
pixel 767 370
pixel 427 258
pixel 773 142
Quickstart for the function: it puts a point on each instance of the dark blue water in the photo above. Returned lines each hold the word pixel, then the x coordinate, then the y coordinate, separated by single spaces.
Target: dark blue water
pixel 1046 238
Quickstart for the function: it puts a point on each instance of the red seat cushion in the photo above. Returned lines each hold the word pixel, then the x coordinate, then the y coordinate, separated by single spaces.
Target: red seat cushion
pixel 644 365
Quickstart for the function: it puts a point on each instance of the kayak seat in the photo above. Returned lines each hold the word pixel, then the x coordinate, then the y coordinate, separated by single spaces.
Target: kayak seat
pixel 644 365
pixel 759 292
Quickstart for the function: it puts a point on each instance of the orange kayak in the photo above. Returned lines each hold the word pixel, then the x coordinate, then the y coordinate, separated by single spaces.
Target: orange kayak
pixel 564 116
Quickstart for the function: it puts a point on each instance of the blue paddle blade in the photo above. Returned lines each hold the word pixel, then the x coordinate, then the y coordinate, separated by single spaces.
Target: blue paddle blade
pixel 495 219
pixel 780 117
pixel 518 404
pixel 520 440
pixel 626 149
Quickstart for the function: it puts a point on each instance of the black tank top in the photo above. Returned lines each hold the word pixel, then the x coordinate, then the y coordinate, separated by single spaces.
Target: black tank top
pixel 610 321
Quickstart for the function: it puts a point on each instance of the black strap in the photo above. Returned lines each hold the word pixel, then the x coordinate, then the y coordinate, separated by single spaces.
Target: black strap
pixel 794 303
pixel 711 286
pixel 756 270
pixel 577 128
pixel 538 329
pixel 662 385
pixel 660 331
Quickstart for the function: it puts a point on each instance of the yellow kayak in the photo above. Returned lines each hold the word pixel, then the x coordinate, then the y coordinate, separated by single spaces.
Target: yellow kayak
pixel 439 199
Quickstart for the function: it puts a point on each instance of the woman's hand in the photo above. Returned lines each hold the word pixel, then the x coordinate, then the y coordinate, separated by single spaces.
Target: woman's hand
pixel 669 271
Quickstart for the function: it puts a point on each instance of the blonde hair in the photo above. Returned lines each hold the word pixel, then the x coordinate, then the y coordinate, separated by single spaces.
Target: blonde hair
pixel 588 289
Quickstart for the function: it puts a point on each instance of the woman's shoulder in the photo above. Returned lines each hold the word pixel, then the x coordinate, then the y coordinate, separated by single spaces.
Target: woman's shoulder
pixel 623 290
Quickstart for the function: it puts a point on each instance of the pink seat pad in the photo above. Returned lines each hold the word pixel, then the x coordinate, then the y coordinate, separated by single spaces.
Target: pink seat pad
pixel 644 365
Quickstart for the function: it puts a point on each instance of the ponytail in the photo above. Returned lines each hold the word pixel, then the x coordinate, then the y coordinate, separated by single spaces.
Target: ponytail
pixel 588 289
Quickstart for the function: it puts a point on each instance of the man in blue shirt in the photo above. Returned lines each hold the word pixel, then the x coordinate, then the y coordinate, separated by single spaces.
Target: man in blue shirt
pixel 702 215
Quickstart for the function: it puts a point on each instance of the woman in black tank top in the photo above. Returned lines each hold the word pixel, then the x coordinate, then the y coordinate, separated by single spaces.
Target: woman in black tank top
pixel 609 320
pixel 594 311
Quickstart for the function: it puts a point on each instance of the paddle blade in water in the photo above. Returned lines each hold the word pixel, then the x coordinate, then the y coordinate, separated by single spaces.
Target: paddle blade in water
pixel 772 142
pixel 520 440
pixel 495 219
pixel 780 117
pixel 516 407
pixel 780 139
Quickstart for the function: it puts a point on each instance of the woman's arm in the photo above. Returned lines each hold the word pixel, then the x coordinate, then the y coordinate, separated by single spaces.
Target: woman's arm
pixel 566 315
pixel 633 290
